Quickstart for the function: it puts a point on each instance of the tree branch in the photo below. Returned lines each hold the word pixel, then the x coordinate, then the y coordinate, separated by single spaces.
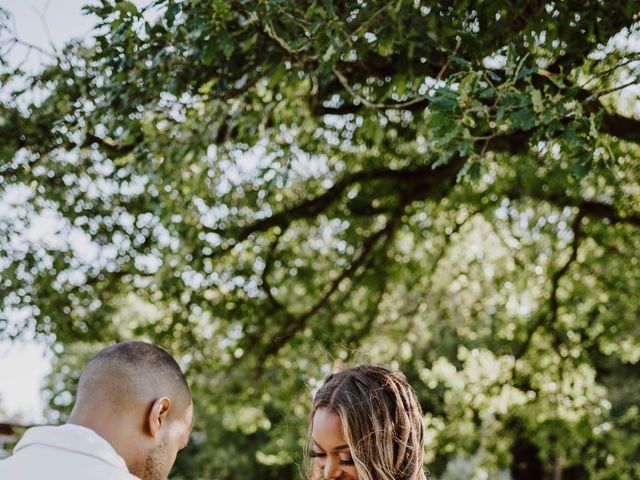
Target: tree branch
pixel 299 323
pixel 430 274
pixel 424 180
pixel 396 106
pixel 268 264
pixel 593 209
pixel 624 128
pixel 551 317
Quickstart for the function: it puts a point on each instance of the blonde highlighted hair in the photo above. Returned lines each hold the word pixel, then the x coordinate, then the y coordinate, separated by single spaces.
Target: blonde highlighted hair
pixel 381 422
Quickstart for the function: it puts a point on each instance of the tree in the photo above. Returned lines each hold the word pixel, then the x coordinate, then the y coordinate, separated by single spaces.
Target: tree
pixel 270 188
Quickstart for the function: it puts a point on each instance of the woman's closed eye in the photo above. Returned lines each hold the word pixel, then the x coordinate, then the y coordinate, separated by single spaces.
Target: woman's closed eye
pixel 342 460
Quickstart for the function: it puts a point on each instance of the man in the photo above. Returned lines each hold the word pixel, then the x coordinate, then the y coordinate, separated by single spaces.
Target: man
pixel 132 414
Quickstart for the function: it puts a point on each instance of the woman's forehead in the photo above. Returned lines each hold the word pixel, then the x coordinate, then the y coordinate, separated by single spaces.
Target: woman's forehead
pixel 327 429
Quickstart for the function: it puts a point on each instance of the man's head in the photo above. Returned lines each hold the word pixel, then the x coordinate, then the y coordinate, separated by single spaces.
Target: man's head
pixel 134 395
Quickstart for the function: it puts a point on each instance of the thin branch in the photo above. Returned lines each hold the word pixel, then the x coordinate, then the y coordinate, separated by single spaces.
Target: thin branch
pixel 314 84
pixel 424 179
pixel 276 304
pixel 271 32
pixel 366 23
pixel 298 323
pixel 555 279
pixel 45 25
pixel 397 106
pixel 31 46
pixel 589 208
pixel 374 308
pixel 601 93
pixel 446 64
pixel 430 274
pixel 612 123
pixel 610 70
pixel 107 145
pixel 383 278
pixel 550 318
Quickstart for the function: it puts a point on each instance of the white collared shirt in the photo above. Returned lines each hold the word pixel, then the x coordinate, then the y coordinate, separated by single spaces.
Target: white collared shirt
pixel 69 452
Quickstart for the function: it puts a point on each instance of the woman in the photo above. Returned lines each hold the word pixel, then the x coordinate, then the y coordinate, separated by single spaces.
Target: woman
pixel 366 424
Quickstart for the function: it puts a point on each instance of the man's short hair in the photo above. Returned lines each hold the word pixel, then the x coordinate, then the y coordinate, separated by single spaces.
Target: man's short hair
pixel 134 370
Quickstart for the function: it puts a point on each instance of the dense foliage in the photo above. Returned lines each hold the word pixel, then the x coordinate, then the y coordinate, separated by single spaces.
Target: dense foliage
pixel 272 188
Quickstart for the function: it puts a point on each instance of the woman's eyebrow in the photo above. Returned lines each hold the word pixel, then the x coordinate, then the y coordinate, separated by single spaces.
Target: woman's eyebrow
pixel 339 447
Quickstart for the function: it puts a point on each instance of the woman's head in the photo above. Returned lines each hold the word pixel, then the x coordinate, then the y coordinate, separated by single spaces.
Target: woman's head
pixel 366 424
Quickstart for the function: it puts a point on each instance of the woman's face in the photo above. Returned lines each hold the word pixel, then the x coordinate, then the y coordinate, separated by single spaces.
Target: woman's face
pixel 332 455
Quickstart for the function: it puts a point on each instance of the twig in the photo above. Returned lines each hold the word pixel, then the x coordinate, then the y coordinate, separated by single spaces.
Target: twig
pixel 601 93
pixel 371 18
pixel 31 46
pixel 272 33
pixel 345 83
pixel 16 40
pixel 298 323
pixel 45 25
pixel 446 64
pixel 610 70
pixel 267 268
pixel 552 315
pixel 430 275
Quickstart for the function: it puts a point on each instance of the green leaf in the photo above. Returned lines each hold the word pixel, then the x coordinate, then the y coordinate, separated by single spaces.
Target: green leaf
pixel 536 100
pixel 127 8
pixel 523 119
pixel 582 165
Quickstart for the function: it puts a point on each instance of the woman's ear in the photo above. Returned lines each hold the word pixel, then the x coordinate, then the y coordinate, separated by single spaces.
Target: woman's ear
pixel 158 415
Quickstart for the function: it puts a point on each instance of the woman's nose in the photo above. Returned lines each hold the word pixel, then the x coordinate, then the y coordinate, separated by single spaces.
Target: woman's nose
pixel 331 470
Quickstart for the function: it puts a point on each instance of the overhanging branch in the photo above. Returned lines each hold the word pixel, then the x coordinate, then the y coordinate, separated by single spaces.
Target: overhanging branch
pixel 423 181
pixel 299 322
pixel 550 318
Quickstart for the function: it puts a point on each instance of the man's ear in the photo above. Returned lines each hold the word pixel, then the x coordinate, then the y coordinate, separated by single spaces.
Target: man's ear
pixel 158 415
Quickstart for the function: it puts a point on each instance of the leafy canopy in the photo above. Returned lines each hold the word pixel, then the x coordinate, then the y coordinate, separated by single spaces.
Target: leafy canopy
pixel 269 188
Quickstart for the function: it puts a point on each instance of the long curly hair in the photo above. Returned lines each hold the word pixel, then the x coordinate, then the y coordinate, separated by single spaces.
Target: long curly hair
pixel 381 422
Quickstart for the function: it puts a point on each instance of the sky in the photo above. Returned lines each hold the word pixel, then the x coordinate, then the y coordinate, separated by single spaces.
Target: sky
pixel 43 23
pixel 25 363
pixel 23 367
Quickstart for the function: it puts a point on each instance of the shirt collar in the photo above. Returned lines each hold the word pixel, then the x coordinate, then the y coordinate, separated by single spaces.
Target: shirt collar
pixel 74 438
